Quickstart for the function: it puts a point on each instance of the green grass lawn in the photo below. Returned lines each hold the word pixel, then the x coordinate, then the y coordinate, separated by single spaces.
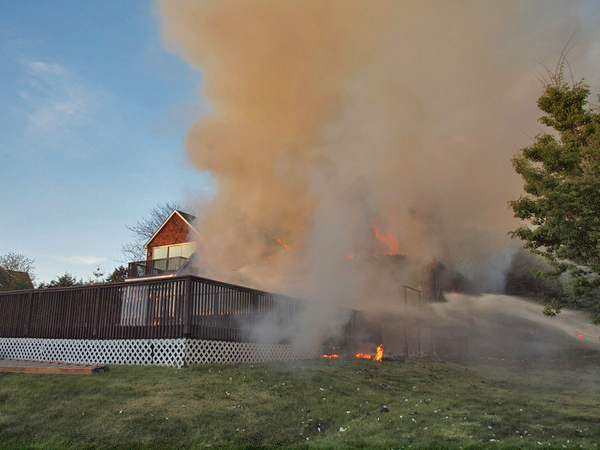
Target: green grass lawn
pixel 315 403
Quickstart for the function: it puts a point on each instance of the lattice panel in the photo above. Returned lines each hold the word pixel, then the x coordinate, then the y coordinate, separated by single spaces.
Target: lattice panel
pixel 200 351
pixel 159 352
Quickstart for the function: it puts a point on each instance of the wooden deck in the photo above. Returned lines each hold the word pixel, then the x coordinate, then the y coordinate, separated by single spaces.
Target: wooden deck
pixel 24 366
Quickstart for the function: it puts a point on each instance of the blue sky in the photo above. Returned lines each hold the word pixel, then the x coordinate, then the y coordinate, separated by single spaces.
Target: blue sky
pixel 93 115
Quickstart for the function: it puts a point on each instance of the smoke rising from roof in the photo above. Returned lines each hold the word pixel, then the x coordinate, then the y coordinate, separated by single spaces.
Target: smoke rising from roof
pixel 328 116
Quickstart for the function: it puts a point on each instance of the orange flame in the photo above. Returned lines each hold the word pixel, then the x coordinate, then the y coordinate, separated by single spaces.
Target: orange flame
pixel 387 238
pixel 280 242
pixel 379 355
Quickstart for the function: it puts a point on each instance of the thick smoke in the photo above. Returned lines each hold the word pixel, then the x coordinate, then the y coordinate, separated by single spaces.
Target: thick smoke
pixel 331 119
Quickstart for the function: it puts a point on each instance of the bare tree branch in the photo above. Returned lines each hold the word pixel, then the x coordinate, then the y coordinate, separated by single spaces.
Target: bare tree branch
pixel 18 263
pixel 144 229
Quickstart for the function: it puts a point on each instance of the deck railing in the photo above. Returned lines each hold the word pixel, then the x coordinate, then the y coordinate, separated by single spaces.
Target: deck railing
pixel 170 308
pixel 155 267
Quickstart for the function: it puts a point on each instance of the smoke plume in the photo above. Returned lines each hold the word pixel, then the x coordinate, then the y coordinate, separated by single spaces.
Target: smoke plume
pixel 343 129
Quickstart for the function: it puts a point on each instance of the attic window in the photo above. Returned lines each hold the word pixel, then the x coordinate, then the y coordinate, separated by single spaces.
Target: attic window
pixel 174 251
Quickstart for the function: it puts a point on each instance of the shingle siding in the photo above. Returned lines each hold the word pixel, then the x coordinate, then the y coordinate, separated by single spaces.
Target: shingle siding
pixel 175 231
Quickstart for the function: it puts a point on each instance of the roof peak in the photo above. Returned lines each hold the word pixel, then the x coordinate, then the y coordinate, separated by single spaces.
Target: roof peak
pixel 187 216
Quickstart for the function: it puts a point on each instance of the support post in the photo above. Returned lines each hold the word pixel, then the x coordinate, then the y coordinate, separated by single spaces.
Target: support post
pixel 187 304
pixel 96 312
pixel 29 313
pixel 405 321
pixel 419 325
pixel 417 320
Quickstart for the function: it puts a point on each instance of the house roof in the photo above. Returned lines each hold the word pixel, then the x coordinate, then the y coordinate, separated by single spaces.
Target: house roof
pixel 13 279
pixel 187 218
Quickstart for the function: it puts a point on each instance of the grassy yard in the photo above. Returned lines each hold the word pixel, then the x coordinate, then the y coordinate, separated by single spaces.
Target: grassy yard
pixel 317 403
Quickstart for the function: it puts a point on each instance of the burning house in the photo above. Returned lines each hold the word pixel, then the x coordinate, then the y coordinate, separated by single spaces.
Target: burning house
pixel 414 284
pixel 176 321
pixel 163 315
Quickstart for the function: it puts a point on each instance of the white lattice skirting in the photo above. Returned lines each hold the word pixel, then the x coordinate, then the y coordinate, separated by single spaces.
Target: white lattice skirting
pixel 159 352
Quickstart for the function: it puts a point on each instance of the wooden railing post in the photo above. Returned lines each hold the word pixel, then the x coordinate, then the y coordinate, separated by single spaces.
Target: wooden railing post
pixel 29 308
pixel 96 312
pixel 187 304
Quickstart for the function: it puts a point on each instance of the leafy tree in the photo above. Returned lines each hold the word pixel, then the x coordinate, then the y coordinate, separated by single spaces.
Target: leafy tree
pixel 65 280
pixel 144 229
pixel 18 263
pixel 562 184
pixel 118 275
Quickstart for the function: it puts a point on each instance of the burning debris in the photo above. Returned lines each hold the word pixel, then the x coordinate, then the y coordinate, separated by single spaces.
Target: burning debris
pixel 376 356
pixel 379 353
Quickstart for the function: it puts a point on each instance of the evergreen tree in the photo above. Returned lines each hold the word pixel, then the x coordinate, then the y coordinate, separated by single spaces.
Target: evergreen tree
pixel 118 275
pixel 562 184
pixel 65 280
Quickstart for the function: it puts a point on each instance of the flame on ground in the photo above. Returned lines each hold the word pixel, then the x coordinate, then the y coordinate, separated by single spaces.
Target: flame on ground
pixel 379 355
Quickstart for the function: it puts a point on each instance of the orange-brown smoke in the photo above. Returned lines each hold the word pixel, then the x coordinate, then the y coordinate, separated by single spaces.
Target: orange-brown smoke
pixel 329 115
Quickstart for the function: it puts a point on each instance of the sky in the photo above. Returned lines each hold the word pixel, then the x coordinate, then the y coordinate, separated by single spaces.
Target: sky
pixel 93 115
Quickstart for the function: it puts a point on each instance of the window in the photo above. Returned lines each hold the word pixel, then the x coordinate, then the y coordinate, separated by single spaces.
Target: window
pixel 188 249
pixel 159 252
pixel 174 251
